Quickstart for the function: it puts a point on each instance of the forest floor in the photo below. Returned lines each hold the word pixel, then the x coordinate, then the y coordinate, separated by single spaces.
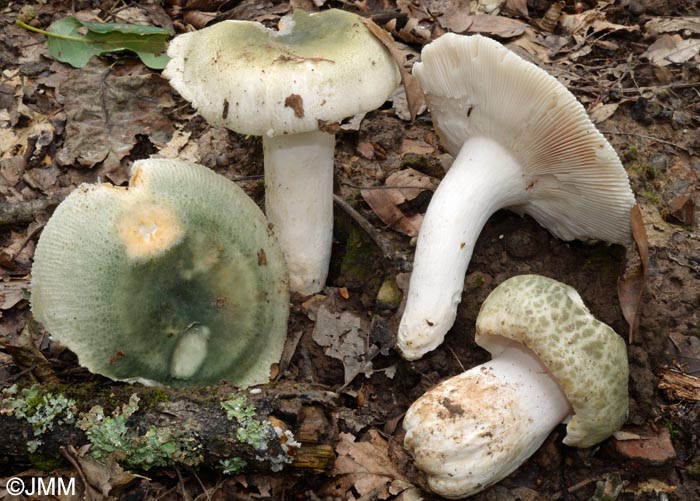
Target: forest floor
pixel 635 66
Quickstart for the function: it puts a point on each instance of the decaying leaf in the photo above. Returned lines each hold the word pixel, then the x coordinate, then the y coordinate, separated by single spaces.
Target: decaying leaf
pixel 498 26
pixel 414 94
pixel 630 287
pixel 107 109
pixel 672 49
pixel 672 25
pixel 102 478
pixel 345 337
pixel 402 186
pixel 13 291
pixel 368 468
pixel 601 112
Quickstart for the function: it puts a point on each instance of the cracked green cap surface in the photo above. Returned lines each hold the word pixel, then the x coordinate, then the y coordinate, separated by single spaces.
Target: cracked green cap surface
pixel 176 280
pixel 586 357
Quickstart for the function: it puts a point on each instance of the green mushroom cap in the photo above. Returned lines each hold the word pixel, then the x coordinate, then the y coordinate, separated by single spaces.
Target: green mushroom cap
pixel 585 356
pixel 176 280
pixel 322 66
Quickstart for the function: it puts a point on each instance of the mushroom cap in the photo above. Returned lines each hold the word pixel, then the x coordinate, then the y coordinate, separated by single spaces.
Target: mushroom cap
pixel 578 188
pixel 175 280
pixel 317 67
pixel 586 357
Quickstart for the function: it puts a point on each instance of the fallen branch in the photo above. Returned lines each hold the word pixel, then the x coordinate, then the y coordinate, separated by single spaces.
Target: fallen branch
pixel 143 427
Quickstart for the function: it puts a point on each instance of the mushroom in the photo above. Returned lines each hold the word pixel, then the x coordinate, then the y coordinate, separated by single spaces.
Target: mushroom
pixel 551 359
pixel 289 86
pixel 521 141
pixel 175 280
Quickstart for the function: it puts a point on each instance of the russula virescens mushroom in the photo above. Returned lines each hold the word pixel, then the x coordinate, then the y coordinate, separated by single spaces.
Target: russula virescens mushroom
pixel 551 359
pixel 288 86
pixel 521 141
pixel 175 280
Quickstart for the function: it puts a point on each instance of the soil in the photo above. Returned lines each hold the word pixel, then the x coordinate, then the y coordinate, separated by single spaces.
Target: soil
pixel 654 129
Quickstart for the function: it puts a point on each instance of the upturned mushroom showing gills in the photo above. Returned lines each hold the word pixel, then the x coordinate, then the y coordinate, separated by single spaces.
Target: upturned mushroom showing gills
pixel 175 280
pixel 521 141
pixel 290 87
pixel 551 360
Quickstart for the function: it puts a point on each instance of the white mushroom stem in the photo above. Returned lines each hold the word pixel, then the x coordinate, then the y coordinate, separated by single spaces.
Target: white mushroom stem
pixel 476 428
pixel 299 204
pixel 483 179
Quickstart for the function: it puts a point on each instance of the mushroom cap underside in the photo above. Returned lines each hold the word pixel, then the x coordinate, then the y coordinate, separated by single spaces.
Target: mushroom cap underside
pixel 577 187
pixel 175 280
pixel 317 67
pixel 585 356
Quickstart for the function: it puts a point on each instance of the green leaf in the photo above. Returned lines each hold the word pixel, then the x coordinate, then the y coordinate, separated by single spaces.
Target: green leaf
pixel 74 42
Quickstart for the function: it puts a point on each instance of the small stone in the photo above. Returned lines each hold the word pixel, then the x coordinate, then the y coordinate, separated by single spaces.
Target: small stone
pixel 521 244
pixel 389 295
pixel 652 448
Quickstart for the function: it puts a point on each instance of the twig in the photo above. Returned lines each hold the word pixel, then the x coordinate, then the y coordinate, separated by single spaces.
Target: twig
pixel 644 136
pixel 384 246
pixel 24 212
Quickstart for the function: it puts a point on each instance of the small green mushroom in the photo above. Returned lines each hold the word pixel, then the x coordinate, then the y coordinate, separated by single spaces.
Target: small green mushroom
pixel 175 280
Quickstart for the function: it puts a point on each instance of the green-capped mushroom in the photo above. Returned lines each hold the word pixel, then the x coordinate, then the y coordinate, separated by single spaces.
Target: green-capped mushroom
pixel 175 280
pixel 551 360
pixel 292 87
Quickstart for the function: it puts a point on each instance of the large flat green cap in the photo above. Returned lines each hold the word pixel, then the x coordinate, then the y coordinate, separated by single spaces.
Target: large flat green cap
pixel 176 280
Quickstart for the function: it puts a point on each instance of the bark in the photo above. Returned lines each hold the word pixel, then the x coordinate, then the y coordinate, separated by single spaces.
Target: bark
pixel 303 409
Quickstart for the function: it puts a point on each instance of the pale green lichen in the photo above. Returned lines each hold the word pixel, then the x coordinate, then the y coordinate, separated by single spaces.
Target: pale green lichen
pixel 231 466
pixel 252 431
pixel 39 408
pixel 157 447
pixel 258 433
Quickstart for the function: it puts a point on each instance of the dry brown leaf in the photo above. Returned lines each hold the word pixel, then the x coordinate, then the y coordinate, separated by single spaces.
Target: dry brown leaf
pixel 417 147
pixel 107 109
pixel 658 25
pixel 518 7
pixel 401 186
pixel 498 26
pixel 102 478
pixel 630 287
pixel 601 112
pixel 672 49
pixel 368 468
pixel 414 94
pixel 408 184
pixel 13 291
pixel 343 335
pixel 199 19
pixel 590 22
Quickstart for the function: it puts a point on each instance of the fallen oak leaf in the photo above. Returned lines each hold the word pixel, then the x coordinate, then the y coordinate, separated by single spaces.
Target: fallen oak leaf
pixel 368 468
pixel 414 94
pixel 631 286
pixel 73 41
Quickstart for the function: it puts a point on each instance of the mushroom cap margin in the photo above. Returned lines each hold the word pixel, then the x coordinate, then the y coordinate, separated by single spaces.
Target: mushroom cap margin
pixel 325 66
pixel 586 356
